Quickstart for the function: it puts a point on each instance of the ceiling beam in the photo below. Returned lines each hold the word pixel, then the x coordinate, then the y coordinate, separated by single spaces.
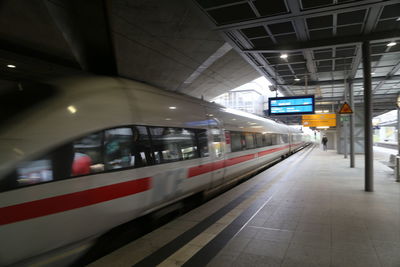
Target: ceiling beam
pixel 341 81
pixel 302 34
pixel 88 37
pixel 387 77
pixel 328 43
pixel 384 98
pixel 315 12
pixel 370 22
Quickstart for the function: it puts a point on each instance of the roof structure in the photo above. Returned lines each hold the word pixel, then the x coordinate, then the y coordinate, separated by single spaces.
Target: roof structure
pixel 314 46
pixel 166 44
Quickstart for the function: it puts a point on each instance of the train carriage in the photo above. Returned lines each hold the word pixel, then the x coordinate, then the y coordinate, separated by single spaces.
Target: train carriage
pixel 97 152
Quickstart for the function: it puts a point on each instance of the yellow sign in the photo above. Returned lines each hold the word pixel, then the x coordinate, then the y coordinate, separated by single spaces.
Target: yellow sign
pixel 318 120
pixel 323 116
pixel 345 109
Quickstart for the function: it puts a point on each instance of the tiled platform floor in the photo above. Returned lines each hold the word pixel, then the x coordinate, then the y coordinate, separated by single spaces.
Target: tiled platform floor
pixel 309 210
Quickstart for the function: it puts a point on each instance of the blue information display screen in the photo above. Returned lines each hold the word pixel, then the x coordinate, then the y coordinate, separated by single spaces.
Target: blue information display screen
pixel 291 105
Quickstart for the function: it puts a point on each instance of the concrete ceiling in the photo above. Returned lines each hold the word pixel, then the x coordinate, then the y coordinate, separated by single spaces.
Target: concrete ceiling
pixel 167 44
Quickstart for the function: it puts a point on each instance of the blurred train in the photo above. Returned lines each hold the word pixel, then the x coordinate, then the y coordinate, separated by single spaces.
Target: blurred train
pixel 83 155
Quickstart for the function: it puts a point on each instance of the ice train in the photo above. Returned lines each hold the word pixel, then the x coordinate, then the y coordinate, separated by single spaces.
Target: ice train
pixel 83 155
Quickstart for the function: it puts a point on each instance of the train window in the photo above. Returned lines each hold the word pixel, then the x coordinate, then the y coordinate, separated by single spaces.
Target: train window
pixel 35 171
pixel 217 145
pixel 285 138
pixel 173 144
pixel 274 139
pixel 259 140
pixel 142 155
pixel 236 141
pixel 249 137
pixel 118 148
pixel 164 144
pixel 187 144
pixel 202 138
pixel 88 156
pixel 267 139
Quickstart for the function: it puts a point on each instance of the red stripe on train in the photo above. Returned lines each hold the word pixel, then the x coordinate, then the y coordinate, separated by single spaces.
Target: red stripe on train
pixel 209 167
pixel 47 206
pixel 269 151
pixel 205 168
pixel 233 161
pixel 201 169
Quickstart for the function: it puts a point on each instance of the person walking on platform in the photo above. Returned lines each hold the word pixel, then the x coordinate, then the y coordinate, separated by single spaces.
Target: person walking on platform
pixel 325 143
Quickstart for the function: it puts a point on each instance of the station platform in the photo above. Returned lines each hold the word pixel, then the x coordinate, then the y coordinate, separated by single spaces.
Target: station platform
pixel 308 210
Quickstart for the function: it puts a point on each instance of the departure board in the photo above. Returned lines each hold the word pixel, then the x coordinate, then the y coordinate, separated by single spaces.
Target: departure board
pixel 295 105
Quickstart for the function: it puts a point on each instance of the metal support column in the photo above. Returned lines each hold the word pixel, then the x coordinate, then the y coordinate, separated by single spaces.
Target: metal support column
pixel 338 131
pixel 398 127
pixel 345 125
pixel 369 163
pixel 352 123
pixel 397 169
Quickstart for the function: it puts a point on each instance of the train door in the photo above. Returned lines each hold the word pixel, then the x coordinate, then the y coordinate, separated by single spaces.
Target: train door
pixel 217 151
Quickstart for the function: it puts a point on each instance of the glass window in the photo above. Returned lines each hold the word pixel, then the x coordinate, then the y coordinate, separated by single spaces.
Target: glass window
pixel 118 148
pixel 236 141
pixel 187 143
pixel 202 138
pixel 285 138
pixel 259 140
pixel 88 156
pixel 267 139
pixel 141 152
pixel 274 138
pixel 173 144
pixel 217 144
pixel 115 149
pixel 249 137
pixel 35 171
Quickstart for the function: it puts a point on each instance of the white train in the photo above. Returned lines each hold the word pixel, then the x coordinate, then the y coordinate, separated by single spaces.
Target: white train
pixel 92 153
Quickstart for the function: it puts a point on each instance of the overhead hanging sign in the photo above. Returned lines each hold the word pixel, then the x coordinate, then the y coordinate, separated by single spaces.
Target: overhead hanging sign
pixel 291 105
pixel 319 120
pixel 345 109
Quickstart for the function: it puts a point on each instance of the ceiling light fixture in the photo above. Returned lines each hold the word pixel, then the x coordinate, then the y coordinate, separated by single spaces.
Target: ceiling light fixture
pixel 297 79
pixel 11 66
pixel 391 44
pixel 284 56
pixel 71 109
pixel 172 107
